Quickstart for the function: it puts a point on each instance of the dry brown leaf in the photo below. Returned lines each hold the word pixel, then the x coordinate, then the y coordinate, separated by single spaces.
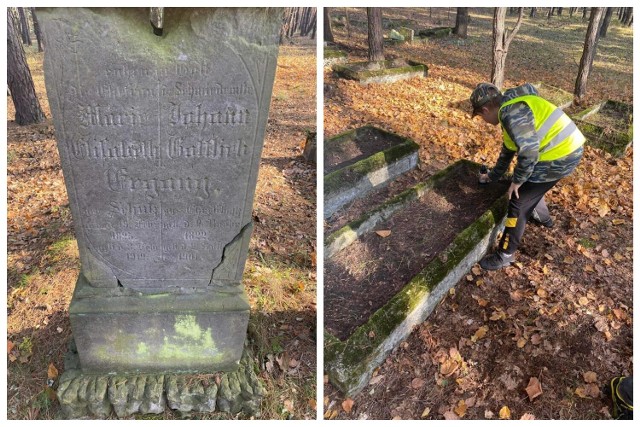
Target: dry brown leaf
pixel 590 377
pixel 617 221
pixel 10 346
pixel 480 333
pixel 516 295
pixel 312 404
pixel 521 342
pixel 581 392
pixel 449 367
pixel 461 408
pixel 498 315
pixel 426 412
pixel 583 300
pixel 592 390
pixel 536 339
pixel 534 389
pixel 542 292
pixel 383 233
pixel 450 415
pixel 417 383
pixel 52 372
pixel 347 405
pixel 505 413
pixel 375 380
pixel 620 314
pixel 528 416
pixel 288 405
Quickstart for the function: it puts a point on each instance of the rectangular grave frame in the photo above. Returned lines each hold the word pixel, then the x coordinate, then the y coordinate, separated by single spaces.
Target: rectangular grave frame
pixel 350 363
pixel 618 141
pixel 560 97
pixel 333 56
pixel 388 74
pixel 346 184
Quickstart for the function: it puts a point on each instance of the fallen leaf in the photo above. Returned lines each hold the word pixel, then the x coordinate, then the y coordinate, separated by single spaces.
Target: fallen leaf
pixel 312 404
pixel 417 383
pixel 480 333
pixel 620 314
pixel 581 392
pixel 536 339
pixel 52 372
pixel 383 233
pixel 542 293
pixel 293 363
pixel 449 415
pixel 590 377
pixel 528 416
pixel 347 405
pixel 288 405
pixel 426 412
pixel 461 408
pixel 449 367
pixel 505 413
pixel 534 389
pixel 521 342
pixel 376 379
pixel 10 346
pixel 498 315
pixel 592 390
pixel 488 414
pixel 617 221
pixel 583 301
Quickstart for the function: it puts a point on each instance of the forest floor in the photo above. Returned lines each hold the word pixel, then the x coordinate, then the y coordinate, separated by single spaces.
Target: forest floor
pixel 561 317
pixel 280 274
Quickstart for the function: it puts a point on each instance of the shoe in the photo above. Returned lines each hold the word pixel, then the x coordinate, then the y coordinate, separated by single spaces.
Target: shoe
pixel 535 218
pixel 497 260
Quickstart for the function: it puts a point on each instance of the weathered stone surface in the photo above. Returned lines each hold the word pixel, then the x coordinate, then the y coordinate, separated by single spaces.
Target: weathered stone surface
pixel 381 71
pixel 352 181
pixel 160 140
pixel 101 396
pixel 349 363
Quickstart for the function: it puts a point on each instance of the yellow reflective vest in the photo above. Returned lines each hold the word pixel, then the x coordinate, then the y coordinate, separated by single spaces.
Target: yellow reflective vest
pixel 559 135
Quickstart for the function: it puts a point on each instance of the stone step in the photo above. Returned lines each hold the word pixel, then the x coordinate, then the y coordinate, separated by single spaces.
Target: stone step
pixel 361 160
pixel 355 347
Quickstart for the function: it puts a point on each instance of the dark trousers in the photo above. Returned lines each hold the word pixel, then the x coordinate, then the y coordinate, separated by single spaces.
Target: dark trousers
pixel 520 209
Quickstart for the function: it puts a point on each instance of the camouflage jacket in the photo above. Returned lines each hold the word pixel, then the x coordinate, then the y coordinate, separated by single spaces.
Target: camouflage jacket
pixel 517 121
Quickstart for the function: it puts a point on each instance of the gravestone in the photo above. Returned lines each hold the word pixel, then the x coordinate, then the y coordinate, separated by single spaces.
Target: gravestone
pixel 160 139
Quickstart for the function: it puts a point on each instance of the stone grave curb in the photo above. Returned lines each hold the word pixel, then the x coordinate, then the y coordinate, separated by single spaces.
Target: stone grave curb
pixel 96 396
pixel 343 237
pixel 346 184
pixel 350 363
pixel 565 98
pixel 386 75
pixel 615 144
pixel 333 56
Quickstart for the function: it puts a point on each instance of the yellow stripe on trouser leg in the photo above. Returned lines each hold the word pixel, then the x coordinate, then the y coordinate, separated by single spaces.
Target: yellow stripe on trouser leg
pixel 511 222
pixel 506 243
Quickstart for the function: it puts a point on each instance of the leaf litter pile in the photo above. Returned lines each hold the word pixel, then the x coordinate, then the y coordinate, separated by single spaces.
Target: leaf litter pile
pixel 538 339
pixel 279 276
pixel 368 273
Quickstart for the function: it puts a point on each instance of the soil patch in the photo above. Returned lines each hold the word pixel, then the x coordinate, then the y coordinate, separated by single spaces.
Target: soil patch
pixel 374 269
pixel 364 143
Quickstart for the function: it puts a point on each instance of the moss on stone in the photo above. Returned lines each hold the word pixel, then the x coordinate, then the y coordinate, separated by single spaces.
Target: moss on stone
pixel 346 177
pixel 613 140
pixel 349 70
pixel 348 360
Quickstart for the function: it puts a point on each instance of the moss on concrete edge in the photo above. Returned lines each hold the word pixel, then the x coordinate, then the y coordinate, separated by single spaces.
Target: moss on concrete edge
pixel 346 362
pixel 346 177
pixel 347 71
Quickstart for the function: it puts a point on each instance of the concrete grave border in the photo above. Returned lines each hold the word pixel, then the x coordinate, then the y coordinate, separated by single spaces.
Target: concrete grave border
pixel 346 184
pixel 388 74
pixel 559 97
pixel 617 143
pixel 350 363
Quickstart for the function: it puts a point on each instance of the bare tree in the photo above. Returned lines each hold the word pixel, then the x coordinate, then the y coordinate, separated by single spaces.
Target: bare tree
pixel 19 80
pixel 462 22
pixel 605 22
pixel 328 32
pixel 376 43
pixel 24 27
pixel 36 28
pixel 627 17
pixel 501 40
pixel 533 13
pixel 588 53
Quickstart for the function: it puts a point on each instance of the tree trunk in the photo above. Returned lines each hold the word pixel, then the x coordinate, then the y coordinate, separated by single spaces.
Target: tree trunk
pixel 328 32
pixel 346 24
pixel 605 23
pixel 156 17
pixel 588 53
pixel 376 44
pixel 501 40
pixel 24 26
pixel 571 10
pixel 533 13
pixel 584 13
pixel 559 11
pixel 36 28
pixel 462 22
pixel 19 80
pixel 550 14
pixel 628 17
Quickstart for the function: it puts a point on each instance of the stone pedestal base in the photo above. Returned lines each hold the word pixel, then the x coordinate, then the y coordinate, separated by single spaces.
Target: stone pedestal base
pixel 89 396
